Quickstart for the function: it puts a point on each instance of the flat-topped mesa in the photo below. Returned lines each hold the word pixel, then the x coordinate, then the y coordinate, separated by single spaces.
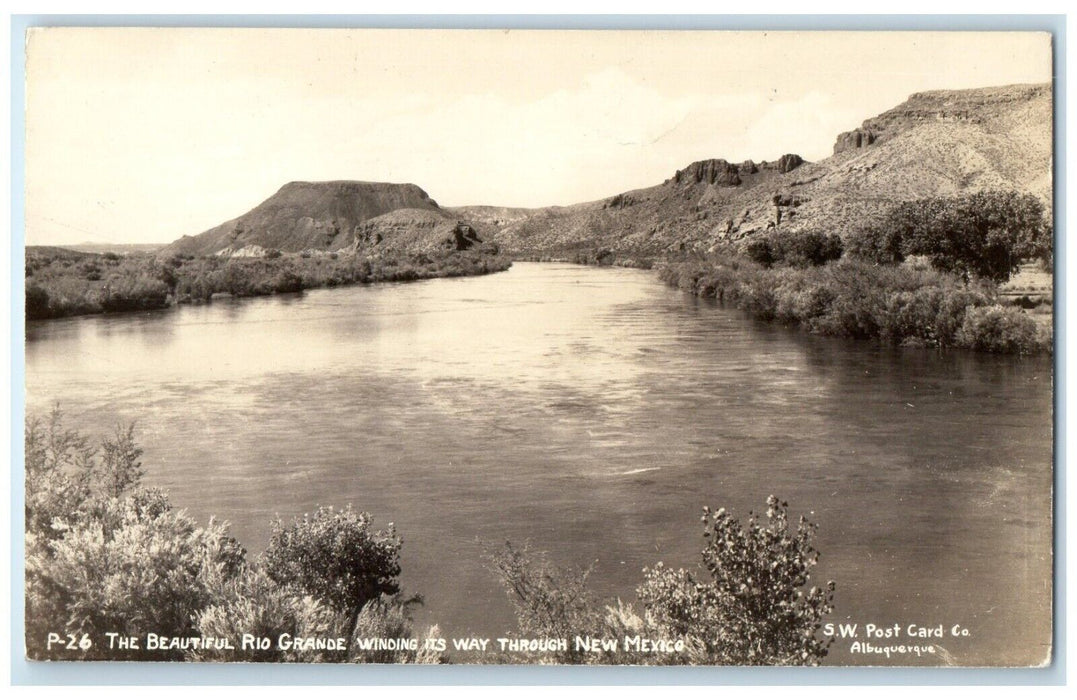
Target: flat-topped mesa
pixel 332 215
pixel 720 172
pixel 376 197
pixel 976 106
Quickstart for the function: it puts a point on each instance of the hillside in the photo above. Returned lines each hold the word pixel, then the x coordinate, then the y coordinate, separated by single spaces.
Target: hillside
pixel 935 143
pixel 335 216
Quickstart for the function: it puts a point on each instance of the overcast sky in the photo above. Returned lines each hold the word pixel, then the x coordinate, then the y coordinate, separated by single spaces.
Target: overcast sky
pixel 144 135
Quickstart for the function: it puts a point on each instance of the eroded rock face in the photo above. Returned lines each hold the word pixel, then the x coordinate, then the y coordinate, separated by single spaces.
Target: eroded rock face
pixel 857 138
pixel 790 161
pixel 715 171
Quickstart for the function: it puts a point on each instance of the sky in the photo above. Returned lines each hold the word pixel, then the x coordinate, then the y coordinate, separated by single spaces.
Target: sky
pixel 143 135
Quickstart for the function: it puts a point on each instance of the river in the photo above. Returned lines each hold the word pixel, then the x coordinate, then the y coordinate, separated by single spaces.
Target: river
pixel 592 413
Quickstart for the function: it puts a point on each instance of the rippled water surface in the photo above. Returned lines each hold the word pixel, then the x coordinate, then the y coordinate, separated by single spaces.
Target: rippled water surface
pixel 592 412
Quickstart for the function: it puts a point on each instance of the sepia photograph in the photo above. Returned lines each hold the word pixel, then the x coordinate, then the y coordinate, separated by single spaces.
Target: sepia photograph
pixel 538 347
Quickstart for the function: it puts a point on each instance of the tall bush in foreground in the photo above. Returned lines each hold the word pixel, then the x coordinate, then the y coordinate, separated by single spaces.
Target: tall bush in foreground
pixel 103 553
pixel 337 558
pixel 751 604
pixel 751 607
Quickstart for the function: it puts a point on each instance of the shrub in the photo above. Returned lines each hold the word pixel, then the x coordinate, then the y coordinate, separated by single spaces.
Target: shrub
pixel 877 244
pixel 1002 329
pixel 390 618
pixel 124 293
pixel 549 601
pixel 37 302
pixel 254 604
pixel 335 557
pixel 753 609
pixel 104 555
pixel 794 248
pixel 748 607
pixel 761 251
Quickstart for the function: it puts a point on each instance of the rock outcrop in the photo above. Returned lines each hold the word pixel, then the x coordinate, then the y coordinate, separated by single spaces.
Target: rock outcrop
pixel 712 172
pixel 790 161
pixel 857 138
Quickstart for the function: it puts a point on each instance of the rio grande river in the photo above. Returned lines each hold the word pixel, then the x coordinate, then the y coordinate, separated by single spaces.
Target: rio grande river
pixel 592 413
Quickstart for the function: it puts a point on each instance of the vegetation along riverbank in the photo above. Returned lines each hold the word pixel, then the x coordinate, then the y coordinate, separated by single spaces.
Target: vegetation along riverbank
pixel 108 559
pixel 932 272
pixel 62 282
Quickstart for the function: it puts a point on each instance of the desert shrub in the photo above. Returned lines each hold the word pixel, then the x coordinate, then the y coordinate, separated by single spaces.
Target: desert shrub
pixel 761 251
pixel 252 603
pixel 750 604
pixel 549 601
pixel 896 304
pixel 104 554
pixel 876 244
pixel 390 618
pixel 133 570
pixel 37 301
pixel 125 293
pixel 59 466
pixel 1002 329
pixel 335 556
pixel 807 248
pixel 794 248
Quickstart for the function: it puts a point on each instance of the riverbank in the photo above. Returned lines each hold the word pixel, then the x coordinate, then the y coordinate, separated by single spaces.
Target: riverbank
pixel 61 282
pixel 904 305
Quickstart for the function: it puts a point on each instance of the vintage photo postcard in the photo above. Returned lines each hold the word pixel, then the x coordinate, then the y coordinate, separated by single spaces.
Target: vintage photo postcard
pixel 539 347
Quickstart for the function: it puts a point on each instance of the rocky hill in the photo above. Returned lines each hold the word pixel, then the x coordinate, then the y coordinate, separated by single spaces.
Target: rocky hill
pixel 935 143
pixel 335 216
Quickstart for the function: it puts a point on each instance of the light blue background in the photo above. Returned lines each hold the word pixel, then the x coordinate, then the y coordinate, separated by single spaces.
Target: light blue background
pixel 116 673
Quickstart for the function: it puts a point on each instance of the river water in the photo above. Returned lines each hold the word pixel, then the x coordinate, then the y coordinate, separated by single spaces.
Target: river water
pixel 592 413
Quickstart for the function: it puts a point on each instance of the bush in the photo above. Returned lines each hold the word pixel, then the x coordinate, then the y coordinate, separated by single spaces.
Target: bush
pixel 391 619
pixel 549 601
pixel 1002 329
pixel 254 604
pixel 335 557
pixel 794 248
pixel 748 607
pixel 105 555
pixel 752 610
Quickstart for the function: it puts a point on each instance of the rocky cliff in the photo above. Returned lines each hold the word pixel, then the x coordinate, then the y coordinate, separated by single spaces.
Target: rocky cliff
pixel 935 143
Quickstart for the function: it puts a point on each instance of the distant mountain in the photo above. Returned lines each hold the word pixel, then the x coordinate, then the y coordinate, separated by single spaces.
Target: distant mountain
pixel 334 216
pixel 935 143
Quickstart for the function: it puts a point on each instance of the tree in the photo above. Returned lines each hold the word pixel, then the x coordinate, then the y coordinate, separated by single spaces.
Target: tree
pixel 986 234
pixel 794 248
pixel 335 557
